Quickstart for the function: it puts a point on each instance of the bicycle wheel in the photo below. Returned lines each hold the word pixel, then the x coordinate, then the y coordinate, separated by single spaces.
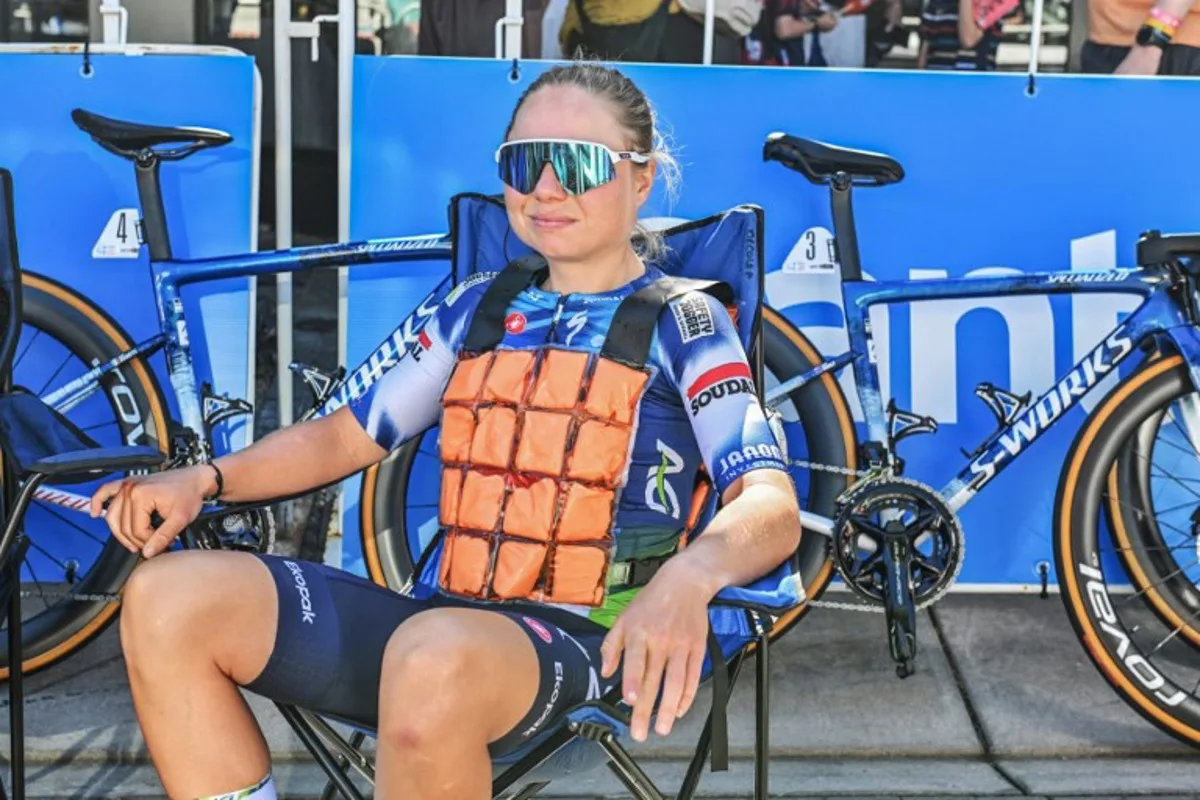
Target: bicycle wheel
pixel 1153 518
pixel 1155 674
pixel 62 336
pixel 399 495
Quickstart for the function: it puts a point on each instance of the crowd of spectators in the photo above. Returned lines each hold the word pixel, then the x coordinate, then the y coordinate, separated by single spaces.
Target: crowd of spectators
pixel 1123 36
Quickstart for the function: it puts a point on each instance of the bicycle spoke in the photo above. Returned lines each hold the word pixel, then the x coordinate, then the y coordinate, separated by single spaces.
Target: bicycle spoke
pixel 1166 475
pixel 50 510
pixel 1150 586
pixel 36 582
pixel 1173 634
pixel 36 333
pixel 1160 523
pixel 46 553
pixel 49 381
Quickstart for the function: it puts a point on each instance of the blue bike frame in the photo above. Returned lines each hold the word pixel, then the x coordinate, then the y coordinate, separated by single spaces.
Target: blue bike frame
pixel 169 276
pixel 1159 313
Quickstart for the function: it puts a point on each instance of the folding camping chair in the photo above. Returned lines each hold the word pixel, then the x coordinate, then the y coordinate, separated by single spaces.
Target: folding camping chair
pixel 39 446
pixel 725 247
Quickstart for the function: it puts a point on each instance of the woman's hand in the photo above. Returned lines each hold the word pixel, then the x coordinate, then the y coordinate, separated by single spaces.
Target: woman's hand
pixel 176 495
pixel 662 632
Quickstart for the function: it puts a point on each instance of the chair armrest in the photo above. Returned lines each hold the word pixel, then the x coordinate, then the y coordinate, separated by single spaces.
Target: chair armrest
pixel 82 465
pixel 771 595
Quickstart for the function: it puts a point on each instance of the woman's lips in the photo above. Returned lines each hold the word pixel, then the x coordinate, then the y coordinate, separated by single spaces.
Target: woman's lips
pixel 551 222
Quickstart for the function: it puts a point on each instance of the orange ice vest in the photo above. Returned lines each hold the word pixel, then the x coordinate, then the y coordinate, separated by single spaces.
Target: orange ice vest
pixel 535 447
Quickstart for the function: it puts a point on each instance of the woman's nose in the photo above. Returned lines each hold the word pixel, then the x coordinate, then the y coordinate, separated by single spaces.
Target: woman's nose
pixel 547 186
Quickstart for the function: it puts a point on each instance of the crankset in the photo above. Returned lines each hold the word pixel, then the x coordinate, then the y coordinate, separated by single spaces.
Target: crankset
pixel 897 544
pixel 245 529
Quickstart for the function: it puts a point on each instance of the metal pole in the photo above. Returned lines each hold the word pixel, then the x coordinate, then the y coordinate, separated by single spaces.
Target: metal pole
pixel 283 202
pixel 508 30
pixel 513 9
pixel 1035 39
pixel 710 10
pixel 347 29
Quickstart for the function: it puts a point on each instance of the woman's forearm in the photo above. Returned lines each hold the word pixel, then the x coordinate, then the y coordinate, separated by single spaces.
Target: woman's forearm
pixel 748 537
pixel 297 458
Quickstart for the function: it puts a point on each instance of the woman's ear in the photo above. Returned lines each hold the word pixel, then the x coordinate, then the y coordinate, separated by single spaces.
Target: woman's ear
pixel 643 180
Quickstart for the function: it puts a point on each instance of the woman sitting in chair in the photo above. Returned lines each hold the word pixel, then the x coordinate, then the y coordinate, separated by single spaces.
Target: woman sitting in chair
pixel 575 422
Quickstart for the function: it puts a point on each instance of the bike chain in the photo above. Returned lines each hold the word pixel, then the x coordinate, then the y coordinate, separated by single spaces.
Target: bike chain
pixel 859 473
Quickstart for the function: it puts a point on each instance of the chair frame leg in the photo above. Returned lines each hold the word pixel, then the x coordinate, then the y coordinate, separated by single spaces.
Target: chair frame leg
pixel 762 714
pixel 16 682
pixel 14 544
pixel 319 751
pixel 625 768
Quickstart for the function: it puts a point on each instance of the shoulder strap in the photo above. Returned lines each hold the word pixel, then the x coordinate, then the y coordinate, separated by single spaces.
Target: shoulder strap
pixel 632 328
pixel 487 323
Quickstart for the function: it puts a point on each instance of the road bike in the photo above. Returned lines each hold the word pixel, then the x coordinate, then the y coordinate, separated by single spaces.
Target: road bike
pixel 77 359
pixel 897 543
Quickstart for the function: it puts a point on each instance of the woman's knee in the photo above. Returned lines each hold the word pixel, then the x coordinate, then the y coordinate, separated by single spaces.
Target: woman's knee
pixel 432 679
pixel 195 600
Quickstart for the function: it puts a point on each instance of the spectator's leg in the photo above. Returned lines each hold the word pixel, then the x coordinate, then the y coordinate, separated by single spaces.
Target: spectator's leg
pixel 453 681
pixel 194 625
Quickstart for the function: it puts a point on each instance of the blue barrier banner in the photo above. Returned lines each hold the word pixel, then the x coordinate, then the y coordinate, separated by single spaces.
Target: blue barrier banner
pixel 997 182
pixel 77 204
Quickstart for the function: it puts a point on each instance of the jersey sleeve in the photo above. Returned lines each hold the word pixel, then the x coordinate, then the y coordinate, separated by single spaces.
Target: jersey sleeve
pixel 406 401
pixel 708 367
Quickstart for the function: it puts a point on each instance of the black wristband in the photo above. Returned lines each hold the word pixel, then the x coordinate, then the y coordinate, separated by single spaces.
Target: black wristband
pixel 220 483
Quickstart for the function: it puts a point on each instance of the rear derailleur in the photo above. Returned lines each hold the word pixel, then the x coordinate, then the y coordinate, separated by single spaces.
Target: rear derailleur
pixel 896 543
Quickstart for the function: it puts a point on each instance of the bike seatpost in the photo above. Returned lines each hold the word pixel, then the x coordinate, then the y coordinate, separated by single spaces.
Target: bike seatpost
pixel 154 218
pixel 844 234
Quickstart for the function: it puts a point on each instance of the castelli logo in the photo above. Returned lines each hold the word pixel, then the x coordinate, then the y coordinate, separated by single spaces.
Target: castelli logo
pixel 514 322
pixel 538 628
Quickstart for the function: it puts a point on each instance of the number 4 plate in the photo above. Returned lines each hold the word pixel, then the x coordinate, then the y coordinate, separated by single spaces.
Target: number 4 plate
pixel 122 236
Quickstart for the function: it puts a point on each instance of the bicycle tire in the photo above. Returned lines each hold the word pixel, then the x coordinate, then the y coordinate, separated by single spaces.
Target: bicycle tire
pixel 1088 469
pixel 1143 549
pixel 89 333
pixel 824 416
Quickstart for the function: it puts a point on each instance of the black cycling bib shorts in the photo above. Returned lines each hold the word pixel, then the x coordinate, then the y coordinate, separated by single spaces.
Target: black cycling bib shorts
pixel 334 626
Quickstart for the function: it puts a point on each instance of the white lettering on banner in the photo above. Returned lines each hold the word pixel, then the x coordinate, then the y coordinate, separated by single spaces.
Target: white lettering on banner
pixel 1135 663
pixel 307 614
pixel 121 237
pixel 929 368
pixel 934 356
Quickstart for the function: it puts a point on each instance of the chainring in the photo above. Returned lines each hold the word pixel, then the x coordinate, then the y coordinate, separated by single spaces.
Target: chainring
pixel 933 529
pixel 245 529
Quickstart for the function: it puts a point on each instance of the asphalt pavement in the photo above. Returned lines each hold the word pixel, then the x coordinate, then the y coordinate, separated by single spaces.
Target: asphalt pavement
pixel 1004 703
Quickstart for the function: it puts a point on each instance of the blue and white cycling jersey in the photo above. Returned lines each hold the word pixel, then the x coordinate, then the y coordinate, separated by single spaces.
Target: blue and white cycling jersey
pixel 699 409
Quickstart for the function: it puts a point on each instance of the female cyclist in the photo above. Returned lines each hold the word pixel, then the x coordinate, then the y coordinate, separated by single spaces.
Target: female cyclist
pixel 570 449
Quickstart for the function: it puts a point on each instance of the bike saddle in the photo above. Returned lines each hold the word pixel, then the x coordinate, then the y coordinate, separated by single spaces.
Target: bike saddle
pixel 1156 248
pixel 819 162
pixel 130 138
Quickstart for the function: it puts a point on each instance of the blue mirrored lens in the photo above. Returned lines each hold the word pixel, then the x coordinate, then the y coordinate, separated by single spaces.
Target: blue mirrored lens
pixel 579 166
